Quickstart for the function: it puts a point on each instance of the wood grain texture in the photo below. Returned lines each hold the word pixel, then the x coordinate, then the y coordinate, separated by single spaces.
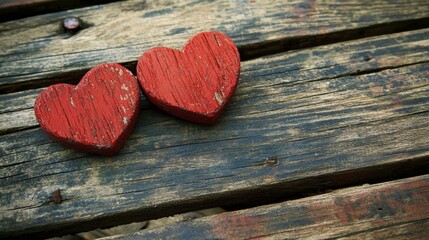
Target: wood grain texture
pixel 15 9
pixel 391 210
pixel 17 113
pixel 36 52
pixel 97 115
pixel 342 108
pixel 195 83
pixel 306 64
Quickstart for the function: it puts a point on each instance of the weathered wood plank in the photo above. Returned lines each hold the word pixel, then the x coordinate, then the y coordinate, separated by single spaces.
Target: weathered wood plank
pixel 319 113
pixel 369 55
pixel 16 110
pixel 397 209
pixel 36 52
pixel 13 102
pixel 16 121
pixel 15 9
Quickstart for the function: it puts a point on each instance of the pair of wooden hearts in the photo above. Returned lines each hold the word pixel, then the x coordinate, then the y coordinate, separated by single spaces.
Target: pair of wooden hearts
pixel 99 113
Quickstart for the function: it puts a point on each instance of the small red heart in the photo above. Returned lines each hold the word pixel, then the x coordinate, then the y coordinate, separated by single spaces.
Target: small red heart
pixel 196 83
pixel 97 115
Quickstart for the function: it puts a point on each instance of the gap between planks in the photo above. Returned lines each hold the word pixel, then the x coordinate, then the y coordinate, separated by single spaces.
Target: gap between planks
pixel 17 110
pixel 24 119
pixel 264 117
pixel 256 50
pixel 292 191
pixel 391 210
pixel 16 9
pixel 258 27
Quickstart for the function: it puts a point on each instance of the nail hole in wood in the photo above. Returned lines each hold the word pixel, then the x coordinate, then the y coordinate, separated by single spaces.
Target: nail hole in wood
pixel 367 58
pixel 56 195
pixel 270 161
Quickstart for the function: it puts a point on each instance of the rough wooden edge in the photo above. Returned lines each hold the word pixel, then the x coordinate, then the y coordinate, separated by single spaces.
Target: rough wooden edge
pixel 256 50
pixel 389 209
pixel 18 105
pixel 16 9
pixel 253 41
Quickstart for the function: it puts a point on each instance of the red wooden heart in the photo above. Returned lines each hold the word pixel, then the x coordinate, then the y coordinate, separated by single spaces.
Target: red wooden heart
pixel 196 83
pixel 97 115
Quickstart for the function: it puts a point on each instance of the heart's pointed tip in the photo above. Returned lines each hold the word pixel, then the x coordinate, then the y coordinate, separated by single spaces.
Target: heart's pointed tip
pixel 108 152
pixel 202 119
pixel 85 146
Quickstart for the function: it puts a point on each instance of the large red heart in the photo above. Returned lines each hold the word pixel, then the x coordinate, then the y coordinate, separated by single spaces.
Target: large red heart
pixel 196 83
pixel 97 115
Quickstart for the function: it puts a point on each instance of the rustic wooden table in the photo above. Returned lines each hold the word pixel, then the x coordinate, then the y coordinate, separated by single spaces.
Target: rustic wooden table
pixel 326 137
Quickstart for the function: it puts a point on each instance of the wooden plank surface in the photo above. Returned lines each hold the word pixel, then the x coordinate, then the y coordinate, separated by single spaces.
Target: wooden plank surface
pixel 15 9
pixel 342 108
pixel 391 210
pixel 19 105
pixel 36 52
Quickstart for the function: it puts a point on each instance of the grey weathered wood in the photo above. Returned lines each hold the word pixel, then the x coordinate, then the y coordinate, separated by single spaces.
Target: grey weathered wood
pixel 36 52
pixel 391 210
pixel 17 120
pixel 16 110
pixel 13 102
pixel 327 115
pixel 393 55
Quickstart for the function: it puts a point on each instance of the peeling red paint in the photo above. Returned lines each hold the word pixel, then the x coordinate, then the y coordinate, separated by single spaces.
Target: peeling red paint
pixel 239 226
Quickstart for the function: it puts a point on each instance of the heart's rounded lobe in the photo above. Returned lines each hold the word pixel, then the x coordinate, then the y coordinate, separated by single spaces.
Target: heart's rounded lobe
pixel 196 83
pixel 97 115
